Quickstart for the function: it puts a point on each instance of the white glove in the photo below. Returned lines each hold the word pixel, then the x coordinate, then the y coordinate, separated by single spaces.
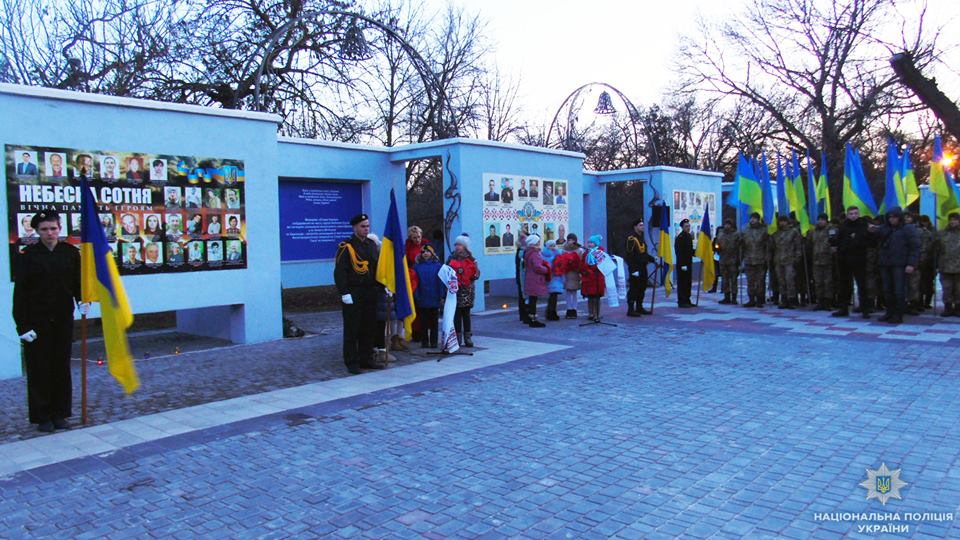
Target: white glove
pixel 346 299
pixel 29 336
pixel 684 268
pixel 83 308
pixel 635 274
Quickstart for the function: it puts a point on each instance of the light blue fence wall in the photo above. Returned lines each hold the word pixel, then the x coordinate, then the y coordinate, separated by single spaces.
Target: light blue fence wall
pixel 242 305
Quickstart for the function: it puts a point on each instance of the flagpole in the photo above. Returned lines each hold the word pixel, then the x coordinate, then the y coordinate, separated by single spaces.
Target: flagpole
pixel 387 335
pixel 653 297
pixel 699 284
pixel 83 369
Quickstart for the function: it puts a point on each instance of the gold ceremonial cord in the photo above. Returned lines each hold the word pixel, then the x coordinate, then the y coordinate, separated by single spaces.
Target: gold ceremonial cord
pixel 360 267
pixel 631 241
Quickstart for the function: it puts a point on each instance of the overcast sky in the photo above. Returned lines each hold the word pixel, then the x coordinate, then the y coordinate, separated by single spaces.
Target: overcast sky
pixel 555 46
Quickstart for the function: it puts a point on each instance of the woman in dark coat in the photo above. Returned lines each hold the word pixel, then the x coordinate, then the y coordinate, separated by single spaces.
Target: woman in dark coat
pixel 47 283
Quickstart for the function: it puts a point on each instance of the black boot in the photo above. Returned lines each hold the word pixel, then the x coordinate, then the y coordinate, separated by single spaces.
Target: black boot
pixel 726 299
pixel 571 314
pixel 552 307
pixel 632 309
pixel 752 302
pixel 733 299
pixel 947 310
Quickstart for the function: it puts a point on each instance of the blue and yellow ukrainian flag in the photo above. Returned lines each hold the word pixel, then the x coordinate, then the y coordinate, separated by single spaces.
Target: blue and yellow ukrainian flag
pixel 783 202
pixel 800 207
pixel 823 189
pixel 392 269
pixel 856 190
pixel 893 194
pixel 750 190
pixel 100 282
pixel 660 218
pixel 705 250
pixel 943 187
pixel 910 190
pixel 812 193
pixel 769 210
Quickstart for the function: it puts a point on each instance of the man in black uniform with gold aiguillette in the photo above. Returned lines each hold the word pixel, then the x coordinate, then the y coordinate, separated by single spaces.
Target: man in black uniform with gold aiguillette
pixel 637 260
pixel 355 275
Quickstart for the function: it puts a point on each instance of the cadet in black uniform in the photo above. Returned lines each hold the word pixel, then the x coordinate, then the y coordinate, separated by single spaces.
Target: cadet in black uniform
pixel 47 282
pixel 637 260
pixel 683 246
pixel 355 275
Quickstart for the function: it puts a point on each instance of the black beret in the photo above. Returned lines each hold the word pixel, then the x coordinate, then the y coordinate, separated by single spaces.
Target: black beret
pixel 637 221
pixel 684 222
pixel 358 218
pixel 756 215
pixel 46 215
pixel 823 216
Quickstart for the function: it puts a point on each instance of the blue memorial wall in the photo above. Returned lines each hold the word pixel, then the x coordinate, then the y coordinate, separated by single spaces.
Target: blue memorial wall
pixel 298 194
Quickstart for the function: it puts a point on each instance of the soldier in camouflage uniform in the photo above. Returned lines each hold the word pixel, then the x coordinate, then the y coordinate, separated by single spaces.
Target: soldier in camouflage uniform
pixel 914 305
pixel 787 244
pixel 822 259
pixel 728 245
pixel 755 244
pixel 948 259
pixel 872 289
pixel 928 267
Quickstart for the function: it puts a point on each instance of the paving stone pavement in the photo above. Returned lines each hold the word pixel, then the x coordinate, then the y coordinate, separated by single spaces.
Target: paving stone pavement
pixel 206 370
pixel 662 427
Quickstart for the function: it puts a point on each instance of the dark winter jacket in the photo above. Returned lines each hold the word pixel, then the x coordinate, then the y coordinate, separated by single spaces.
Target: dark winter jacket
pixel 431 291
pixel 853 240
pixel 900 245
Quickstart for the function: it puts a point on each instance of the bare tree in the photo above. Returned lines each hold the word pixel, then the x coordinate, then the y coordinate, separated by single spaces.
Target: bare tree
pixel 499 112
pixel 817 67
pixel 104 46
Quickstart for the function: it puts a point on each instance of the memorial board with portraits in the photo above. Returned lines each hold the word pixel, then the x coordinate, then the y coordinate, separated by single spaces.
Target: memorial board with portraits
pixel 514 203
pixel 160 213
pixel 692 205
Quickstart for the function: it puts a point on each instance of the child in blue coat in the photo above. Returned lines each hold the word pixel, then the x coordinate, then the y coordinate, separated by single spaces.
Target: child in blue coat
pixel 429 294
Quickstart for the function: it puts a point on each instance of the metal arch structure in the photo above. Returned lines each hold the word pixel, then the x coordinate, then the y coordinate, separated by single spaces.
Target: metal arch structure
pixel 632 110
pixel 434 89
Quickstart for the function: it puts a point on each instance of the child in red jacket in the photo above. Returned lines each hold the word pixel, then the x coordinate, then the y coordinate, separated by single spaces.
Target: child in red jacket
pixel 594 286
pixel 463 263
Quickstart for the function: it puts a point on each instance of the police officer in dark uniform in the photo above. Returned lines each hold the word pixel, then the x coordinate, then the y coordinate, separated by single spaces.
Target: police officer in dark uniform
pixel 683 246
pixel 46 285
pixel 355 277
pixel 637 260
